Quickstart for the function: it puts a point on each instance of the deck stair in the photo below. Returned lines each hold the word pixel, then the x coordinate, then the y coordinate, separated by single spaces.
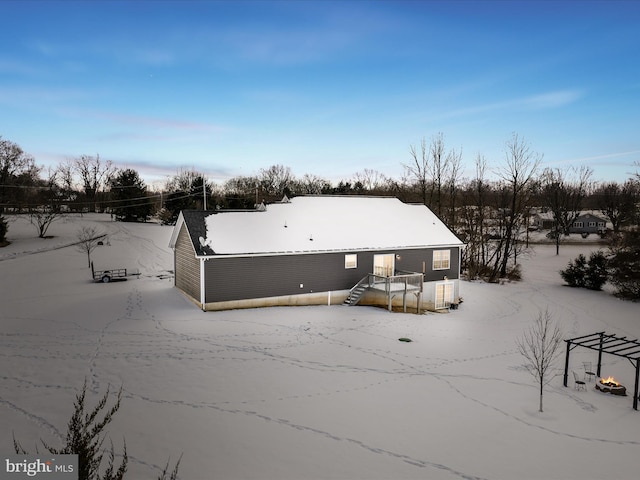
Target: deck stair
pixel 356 293
pixel 401 283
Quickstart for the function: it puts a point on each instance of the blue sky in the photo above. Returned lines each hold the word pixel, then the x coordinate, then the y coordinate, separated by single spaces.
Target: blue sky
pixel 327 88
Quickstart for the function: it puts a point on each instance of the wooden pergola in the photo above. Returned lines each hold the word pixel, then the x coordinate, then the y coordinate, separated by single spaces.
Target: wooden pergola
pixel 612 344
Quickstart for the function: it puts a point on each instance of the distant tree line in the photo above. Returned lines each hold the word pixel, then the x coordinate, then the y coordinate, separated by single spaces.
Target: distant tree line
pixel 490 211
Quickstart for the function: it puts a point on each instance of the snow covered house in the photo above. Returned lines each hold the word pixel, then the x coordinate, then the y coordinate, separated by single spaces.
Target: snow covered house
pixel 587 223
pixel 317 250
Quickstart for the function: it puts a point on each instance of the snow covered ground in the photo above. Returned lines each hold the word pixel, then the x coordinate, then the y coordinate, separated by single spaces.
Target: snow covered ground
pixel 304 392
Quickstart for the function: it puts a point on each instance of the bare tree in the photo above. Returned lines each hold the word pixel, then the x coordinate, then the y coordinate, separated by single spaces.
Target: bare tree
pixel 370 179
pixel 429 171
pixel 540 346
pixel 311 184
pixel 94 175
pixel 183 180
pixel 474 219
pixel 88 239
pixel 452 181
pixel 275 181
pixel 65 175
pixel 517 174
pixel 17 171
pixel 618 202
pixel 44 204
pixel 564 193
pixel 419 167
pixel 42 217
pixel 439 168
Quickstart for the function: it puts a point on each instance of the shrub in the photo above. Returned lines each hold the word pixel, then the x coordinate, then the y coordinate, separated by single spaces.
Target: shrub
pixel 625 265
pixel 583 273
pixel 4 228
pixel 514 274
pixel 575 273
pixel 596 273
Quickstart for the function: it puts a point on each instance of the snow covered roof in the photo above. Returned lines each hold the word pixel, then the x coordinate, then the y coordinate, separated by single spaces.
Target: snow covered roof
pixel 326 223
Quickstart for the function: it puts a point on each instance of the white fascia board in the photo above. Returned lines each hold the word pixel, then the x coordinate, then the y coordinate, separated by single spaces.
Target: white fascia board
pixel 176 231
pixel 323 252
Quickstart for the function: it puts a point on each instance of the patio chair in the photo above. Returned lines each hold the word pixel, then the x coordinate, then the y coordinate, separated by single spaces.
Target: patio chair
pixel 579 384
pixel 588 373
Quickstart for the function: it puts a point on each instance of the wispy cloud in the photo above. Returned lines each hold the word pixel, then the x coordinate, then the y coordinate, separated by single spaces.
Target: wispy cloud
pixel 159 173
pixel 547 100
pixel 555 99
pixel 596 158
pixel 290 47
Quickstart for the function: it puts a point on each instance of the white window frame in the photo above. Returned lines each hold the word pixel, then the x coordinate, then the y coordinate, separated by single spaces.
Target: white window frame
pixel 444 292
pixel 441 260
pixel 351 260
pixel 592 224
pixel 578 224
pixel 384 264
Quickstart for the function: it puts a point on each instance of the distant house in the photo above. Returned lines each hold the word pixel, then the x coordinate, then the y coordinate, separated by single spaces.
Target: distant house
pixel 587 223
pixel 317 250
pixel 542 220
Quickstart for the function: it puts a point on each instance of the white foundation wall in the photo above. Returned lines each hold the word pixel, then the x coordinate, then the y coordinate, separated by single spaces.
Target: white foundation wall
pixel 336 298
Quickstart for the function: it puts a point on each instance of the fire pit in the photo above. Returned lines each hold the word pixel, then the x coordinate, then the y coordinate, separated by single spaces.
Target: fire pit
pixel 611 385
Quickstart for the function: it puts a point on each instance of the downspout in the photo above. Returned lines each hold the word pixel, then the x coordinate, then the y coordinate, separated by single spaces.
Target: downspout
pixel 202 285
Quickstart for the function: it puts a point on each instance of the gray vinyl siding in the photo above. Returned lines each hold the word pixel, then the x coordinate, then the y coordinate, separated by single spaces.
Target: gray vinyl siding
pixel 238 278
pixel 187 266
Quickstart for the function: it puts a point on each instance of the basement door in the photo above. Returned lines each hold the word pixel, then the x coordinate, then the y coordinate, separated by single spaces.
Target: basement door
pixel 384 265
pixel 444 295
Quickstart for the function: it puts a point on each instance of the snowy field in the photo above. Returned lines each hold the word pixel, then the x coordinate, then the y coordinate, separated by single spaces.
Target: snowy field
pixel 304 392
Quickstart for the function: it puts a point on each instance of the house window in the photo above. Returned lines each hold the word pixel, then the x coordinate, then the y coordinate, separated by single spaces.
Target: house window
pixel 384 265
pixel 441 259
pixel 592 224
pixel 444 295
pixel 578 224
pixel 351 261
pixel 601 224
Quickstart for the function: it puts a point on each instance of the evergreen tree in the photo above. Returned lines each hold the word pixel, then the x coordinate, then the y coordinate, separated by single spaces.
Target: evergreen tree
pixel 4 228
pixel 624 265
pixel 129 197
pixel 85 437
pixel 596 273
pixel 575 272
pixel 591 274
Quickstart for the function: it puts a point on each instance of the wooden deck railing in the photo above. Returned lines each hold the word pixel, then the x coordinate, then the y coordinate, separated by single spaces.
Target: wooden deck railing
pixel 401 281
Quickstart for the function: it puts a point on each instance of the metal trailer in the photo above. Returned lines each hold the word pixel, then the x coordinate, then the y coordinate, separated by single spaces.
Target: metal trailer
pixel 106 276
